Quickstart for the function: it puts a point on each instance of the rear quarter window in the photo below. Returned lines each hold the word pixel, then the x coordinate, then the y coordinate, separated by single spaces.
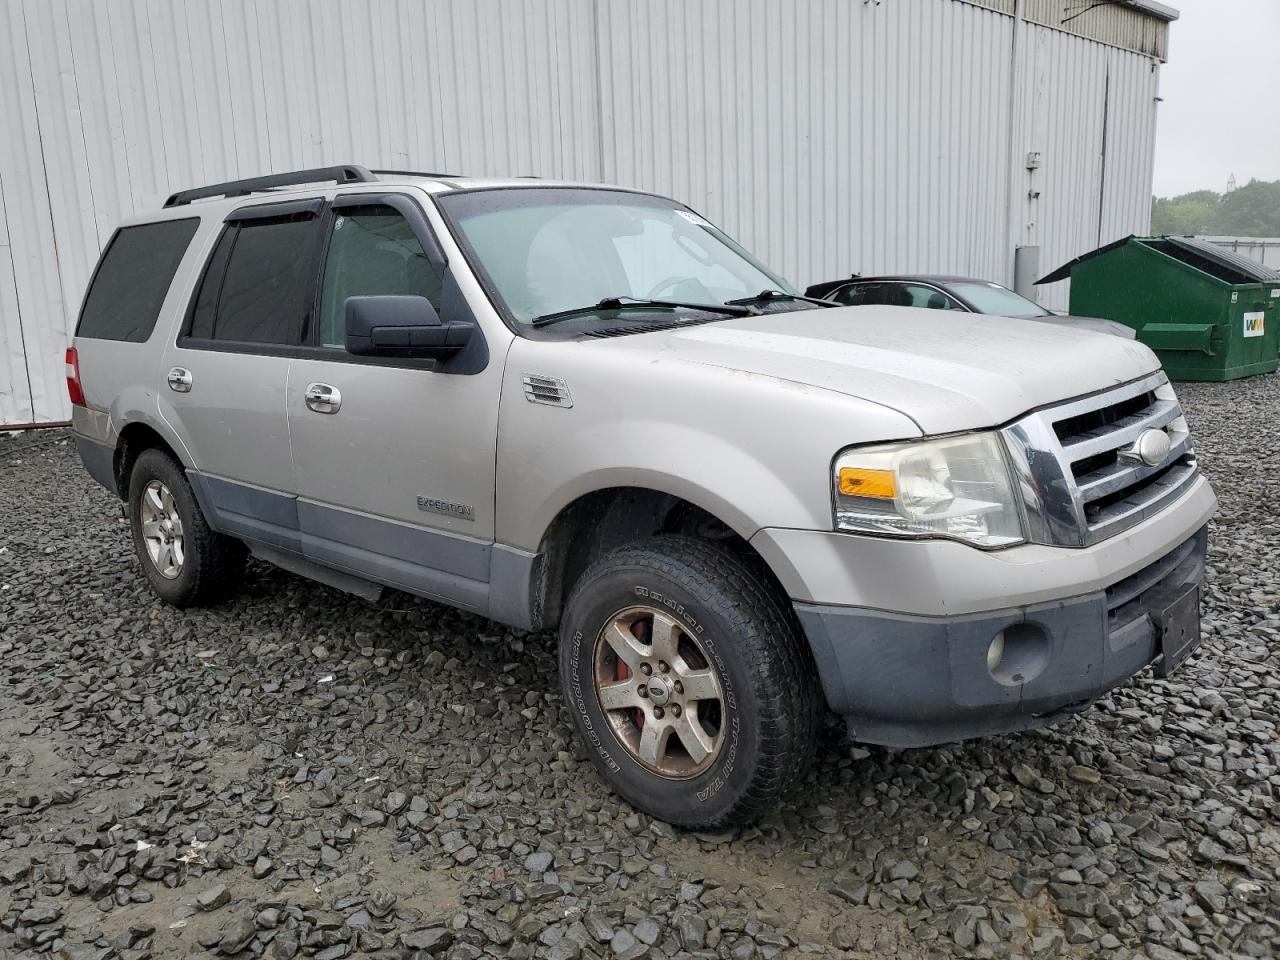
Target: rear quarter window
pixel 132 279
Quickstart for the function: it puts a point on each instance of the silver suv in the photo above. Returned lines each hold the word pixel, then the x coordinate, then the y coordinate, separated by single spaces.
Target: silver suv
pixel 584 407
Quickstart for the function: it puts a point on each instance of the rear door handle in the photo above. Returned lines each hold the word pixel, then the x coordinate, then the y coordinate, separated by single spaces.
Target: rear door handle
pixel 180 380
pixel 323 398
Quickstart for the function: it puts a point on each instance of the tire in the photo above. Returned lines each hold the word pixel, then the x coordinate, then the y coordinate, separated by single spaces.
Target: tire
pixel 203 566
pixel 726 621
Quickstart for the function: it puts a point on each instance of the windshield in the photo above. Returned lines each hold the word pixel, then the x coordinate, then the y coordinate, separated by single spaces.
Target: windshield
pixel 543 250
pixel 987 297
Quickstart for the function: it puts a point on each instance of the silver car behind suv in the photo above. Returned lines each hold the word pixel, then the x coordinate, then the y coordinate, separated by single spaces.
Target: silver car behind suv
pixel 584 407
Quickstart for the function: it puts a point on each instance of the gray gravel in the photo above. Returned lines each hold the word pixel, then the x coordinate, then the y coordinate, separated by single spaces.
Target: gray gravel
pixel 301 774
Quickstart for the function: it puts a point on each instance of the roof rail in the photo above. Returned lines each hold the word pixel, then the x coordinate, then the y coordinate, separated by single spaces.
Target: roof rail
pixel 421 173
pixel 348 173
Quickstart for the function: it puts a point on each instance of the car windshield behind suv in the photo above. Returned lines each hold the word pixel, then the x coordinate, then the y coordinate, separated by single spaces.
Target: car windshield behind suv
pixel 545 250
pixel 991 298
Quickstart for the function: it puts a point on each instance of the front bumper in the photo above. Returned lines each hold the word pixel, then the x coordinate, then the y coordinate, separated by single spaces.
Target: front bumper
pixel 905 680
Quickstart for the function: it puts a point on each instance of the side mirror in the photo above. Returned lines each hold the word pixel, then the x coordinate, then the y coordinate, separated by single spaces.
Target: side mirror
pixel 401 326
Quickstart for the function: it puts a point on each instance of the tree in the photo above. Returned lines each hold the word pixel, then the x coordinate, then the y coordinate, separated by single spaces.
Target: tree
pixel 1249 211
pixel 1190 213
pixel 1252 210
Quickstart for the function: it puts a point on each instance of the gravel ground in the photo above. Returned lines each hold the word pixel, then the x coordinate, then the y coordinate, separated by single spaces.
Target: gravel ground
pixel 298 773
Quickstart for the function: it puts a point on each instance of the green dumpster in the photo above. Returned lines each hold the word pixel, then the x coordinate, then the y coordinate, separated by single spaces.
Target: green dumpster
pixel 1209 314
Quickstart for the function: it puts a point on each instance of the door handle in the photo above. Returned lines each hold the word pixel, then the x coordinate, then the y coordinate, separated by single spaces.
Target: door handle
pixel 323 398
pixel 180 380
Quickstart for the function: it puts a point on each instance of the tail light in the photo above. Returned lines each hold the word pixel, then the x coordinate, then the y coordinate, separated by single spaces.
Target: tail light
pixel 74 389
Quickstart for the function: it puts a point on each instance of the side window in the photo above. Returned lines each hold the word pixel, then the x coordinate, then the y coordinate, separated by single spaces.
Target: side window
pixel 930 298
pixel 207 298
pixel 372 250
pixel 256 284
pixel 132 280
pixel 858 294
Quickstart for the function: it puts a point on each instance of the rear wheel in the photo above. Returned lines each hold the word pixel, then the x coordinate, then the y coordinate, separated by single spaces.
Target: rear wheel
pixel 186 562
pixel 689 682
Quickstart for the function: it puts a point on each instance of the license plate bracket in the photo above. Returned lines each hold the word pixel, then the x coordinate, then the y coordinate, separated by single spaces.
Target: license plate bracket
pixel 1178 630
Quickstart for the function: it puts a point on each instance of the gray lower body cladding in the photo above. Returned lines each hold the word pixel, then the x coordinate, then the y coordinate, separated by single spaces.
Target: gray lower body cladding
pixel 99 460
pixel 910 681
pixel 491 579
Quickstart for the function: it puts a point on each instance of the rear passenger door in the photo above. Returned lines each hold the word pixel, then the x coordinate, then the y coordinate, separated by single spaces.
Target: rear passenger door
pixel 223 383
pixel 395 471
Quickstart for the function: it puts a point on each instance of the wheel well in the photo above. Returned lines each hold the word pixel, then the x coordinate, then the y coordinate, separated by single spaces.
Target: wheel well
pixel 598 522
pixel 134 439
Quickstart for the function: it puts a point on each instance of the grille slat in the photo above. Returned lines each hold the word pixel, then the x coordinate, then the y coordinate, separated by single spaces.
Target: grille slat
pixel 1122 514
pixel 1122 432
pixel 1121 474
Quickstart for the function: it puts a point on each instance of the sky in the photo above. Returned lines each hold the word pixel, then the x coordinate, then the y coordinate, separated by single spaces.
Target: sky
pixel 1221 89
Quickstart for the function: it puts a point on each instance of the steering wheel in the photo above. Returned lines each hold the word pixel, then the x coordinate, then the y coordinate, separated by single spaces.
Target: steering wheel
pixel 663 285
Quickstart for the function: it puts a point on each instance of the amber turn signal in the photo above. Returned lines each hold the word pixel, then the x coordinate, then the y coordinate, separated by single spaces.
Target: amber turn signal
pixel 860 482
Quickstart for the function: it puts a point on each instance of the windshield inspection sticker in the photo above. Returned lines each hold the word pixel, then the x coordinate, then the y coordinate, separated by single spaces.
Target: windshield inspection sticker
pixel 1253 324
pixel 693 218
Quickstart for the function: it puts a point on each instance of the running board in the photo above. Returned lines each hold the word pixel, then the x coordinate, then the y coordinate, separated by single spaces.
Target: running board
pixel 315 571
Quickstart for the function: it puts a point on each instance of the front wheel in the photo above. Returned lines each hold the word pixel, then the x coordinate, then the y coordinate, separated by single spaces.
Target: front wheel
pixel 688 681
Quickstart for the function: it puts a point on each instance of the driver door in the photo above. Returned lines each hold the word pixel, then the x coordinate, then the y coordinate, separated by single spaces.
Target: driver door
pixel 393 458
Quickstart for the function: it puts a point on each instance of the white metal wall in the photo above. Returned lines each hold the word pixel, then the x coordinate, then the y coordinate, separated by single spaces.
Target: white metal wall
pixel 1266 250
pixel 828 135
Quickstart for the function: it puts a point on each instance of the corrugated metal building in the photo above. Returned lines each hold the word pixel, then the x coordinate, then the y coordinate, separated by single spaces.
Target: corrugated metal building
pixel 829 136
pixel 1266 250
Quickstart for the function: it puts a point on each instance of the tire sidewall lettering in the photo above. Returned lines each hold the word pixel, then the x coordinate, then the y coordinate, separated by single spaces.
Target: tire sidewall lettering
pixel 580 704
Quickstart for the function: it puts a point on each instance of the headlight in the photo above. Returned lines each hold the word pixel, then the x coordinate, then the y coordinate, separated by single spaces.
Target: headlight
pixel 954 487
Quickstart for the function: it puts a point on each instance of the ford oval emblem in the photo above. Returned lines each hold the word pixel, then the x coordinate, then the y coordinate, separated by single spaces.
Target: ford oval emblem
pixel 1151 447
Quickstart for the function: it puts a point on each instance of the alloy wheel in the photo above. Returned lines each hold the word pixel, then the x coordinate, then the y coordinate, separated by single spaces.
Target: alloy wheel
pixel 162 530
pixel 660 691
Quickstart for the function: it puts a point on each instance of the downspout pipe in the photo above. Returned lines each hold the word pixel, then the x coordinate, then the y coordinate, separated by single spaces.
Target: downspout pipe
pixel 1013 184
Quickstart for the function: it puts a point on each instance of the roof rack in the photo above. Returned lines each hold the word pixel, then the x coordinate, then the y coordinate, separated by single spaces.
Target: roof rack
pixel 348 173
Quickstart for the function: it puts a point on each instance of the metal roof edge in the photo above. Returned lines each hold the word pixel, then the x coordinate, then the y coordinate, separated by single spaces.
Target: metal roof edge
pixel 1160 10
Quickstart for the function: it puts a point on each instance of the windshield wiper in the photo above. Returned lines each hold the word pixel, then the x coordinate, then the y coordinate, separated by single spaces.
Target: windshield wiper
pixel 636 303
pixel 766 295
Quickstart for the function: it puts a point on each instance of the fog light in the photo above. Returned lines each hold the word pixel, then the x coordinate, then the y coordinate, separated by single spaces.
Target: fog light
pixel 995 652
pixel 1018 653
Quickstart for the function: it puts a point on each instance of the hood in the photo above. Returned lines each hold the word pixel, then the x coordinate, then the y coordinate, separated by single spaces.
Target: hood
pixel 1097 324
pixel 946 371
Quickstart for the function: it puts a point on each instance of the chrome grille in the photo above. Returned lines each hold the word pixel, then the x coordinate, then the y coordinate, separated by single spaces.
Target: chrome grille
pixel 1079 463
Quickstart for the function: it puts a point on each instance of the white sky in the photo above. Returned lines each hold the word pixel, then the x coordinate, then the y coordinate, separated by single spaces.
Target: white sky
pixel 1221 89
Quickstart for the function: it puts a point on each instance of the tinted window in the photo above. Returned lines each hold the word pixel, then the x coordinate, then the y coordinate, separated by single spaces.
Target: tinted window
pixel 132 279
pixel 372 250
pixel 259 296
pixel 930 298
pixel 878 292
pixel 895 294
pixel 207 298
